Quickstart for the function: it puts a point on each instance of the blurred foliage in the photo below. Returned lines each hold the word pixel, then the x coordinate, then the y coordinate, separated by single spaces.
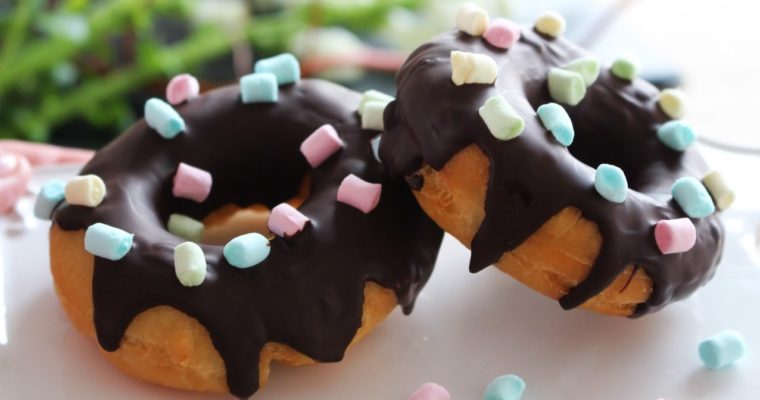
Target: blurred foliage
pixel 68 59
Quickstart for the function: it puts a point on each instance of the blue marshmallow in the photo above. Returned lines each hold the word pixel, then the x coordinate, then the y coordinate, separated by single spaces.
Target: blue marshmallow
pixel 163 118
pixel 722 349
pixel 693 197
pixel 260 87
pixel 284 66
pixel 247 250
pixel 676 134
pixel 51 194
pixel 555 119
pixel 506 387
pixel 107 242
pixel 610 182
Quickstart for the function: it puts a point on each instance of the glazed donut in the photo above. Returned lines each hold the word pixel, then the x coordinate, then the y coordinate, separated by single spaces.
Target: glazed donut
pixel 540 189
pixel 356 246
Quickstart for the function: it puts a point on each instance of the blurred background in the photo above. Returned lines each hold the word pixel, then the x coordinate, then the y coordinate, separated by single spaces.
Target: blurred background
pixel 77 72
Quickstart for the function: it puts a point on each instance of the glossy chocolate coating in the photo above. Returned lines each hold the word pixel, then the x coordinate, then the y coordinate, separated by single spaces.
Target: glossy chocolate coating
pixel 308 293
pixel 533 177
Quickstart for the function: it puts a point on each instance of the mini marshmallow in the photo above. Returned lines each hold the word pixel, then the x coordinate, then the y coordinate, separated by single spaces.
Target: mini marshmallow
pixel 372 117
pixel 551 24
pixel 373 95
pixel 8 164
pixel 719 189
pixel 587 67
pixel 51 194
pixel 192 183
pixel 626 67
pixel 472 19
pixel 189 264
pixel 185 227
pixel 359 193
pixel 675 235
pixel 260 87
pixel 163 118
pixel 431 391
pixel 375 145
pixel 692 197
pixel 501 119
pixel 86 190
pixel 567 87
pixel 502 33
pixel 472 68
pixel 247 250
pixel 610 183
pixel 722 349
pixel 182 88
pixel 555 119
pixel 673 103
pixel 107 242
pixel 284 66
pixel 320 145
pixel 285 221
pixel 506 387
pixel 677 135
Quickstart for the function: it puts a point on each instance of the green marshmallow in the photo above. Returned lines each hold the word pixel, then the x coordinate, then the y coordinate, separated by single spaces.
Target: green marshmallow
pixel 587 67
pixel 566 87
pixel 185 227
pixel 373 95
pixel 502 120
pixel 625 67
pixel 189 264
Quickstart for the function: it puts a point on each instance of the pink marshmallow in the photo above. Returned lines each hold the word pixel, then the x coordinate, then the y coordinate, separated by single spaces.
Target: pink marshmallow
pixel 286 221
pixel 15 174
pixel 192 183
pixel 359 193
pixel 502 33
pixel 8 163
pixel 431 391
pixel 675 235
pixel 321 144
pixel 182 88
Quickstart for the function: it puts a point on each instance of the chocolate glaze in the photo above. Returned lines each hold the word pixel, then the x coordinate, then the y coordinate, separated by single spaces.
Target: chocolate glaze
pixel 533 177
pixel 309 293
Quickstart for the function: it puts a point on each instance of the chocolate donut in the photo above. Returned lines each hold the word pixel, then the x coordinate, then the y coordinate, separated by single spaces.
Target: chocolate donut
pixel 322 286
pixel 520 198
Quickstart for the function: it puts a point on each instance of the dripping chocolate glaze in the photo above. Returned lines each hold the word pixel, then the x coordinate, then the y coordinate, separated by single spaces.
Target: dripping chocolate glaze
pixel 533 177
pixel 309 292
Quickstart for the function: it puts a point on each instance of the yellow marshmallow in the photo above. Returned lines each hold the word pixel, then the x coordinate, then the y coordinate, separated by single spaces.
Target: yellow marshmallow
pixel 87 190
pixel 472 68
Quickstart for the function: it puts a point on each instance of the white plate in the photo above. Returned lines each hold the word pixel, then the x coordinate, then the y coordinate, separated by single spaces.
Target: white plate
pixel 465 330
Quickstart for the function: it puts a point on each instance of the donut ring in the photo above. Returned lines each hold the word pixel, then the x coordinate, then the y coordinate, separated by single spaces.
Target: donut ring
pixel 528 205
pixel 318 291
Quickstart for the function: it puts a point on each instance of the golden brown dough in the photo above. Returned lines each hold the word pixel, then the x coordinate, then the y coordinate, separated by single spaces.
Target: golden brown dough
pixel 552 261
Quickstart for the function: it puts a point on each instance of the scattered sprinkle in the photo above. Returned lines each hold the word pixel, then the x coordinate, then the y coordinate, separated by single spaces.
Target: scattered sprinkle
pixel 51 194
pixel 501 119
pixel 692 197
pixel 551 24
pixel 107 242
pixel 260 87
pixel 722 349
pixel 675 235
pixel 506 387
pixel 189 264
pixel 431 391
pixel 185 227
pixel 163 118
pixel 472 19
pixel 719 189
pixel 247 250
pixel 285 221
pixel 587 67
pixel 359 193
pixel 610 182
pixel 566 87
pixel 86 190
pixel 555 119
pixel 192 183
pixel 284 67
pixel 502 33
pixel 182 88
pixel 321 144
pixel 372 116
pixel 677 135
pixel 673 103
pixel 626 67
pixel 472 68
pixel 373 95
